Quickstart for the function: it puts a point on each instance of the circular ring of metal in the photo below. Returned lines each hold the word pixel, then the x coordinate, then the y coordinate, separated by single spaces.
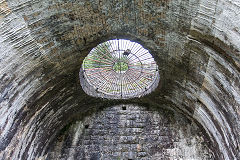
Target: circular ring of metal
pixel 120 68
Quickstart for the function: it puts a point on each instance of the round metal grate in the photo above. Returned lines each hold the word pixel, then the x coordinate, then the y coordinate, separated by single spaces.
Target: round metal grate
pixel 120 68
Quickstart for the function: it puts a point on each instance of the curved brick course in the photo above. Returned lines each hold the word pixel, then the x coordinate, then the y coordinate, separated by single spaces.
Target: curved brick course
pixel 43 43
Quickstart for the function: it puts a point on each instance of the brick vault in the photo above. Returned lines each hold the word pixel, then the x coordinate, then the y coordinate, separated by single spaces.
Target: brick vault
pixel 194 113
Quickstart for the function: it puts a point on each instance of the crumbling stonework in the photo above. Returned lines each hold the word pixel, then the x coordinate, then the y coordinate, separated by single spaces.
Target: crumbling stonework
pixel 43 42
pixel 132 132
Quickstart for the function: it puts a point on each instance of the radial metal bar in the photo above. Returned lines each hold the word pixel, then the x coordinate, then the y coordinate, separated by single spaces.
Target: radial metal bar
pixel 96 72
pixel 139 77
pixel 89 69
pixel 104 55
pixel 121 82
pixel 98 61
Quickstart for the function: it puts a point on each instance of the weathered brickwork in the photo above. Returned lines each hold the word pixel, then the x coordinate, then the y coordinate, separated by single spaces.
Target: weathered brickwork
pixel 4 9
pixel 132 132
pixel 43 42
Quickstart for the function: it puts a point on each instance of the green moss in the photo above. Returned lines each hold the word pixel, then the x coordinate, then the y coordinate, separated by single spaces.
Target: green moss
pixel 120 66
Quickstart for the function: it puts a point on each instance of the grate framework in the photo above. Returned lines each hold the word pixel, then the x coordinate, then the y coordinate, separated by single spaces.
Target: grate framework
pixel 120 69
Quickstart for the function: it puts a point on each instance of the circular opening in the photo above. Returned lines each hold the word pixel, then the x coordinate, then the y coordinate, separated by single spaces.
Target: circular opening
pixel 119 69
pixel 120 66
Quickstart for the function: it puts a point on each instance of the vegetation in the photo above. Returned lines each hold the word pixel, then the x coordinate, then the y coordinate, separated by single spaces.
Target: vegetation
pixel 99 57
pixel 120 66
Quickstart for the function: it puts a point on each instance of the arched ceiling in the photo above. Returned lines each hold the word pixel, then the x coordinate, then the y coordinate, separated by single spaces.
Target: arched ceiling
pixel 43 43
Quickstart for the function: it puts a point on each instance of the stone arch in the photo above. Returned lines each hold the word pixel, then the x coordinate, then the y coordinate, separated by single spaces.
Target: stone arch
pixel 42 43
pixel 131 131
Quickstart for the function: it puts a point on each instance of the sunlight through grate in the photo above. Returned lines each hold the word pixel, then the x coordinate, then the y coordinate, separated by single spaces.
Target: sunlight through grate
pixel 120 68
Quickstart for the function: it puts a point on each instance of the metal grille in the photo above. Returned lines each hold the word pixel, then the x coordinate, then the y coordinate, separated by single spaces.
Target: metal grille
pixel 120 68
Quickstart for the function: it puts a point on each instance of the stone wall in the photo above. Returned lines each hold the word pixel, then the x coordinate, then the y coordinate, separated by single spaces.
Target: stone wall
pixel 43 43
pixel 132 132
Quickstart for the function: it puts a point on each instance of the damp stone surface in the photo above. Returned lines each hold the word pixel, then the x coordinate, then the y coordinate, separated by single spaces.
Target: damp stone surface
pixel 43 43
pixel 132 132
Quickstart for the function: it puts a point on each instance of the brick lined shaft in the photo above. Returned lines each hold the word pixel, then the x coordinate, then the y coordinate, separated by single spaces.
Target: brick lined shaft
pixel 132 132
pixel 43 43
